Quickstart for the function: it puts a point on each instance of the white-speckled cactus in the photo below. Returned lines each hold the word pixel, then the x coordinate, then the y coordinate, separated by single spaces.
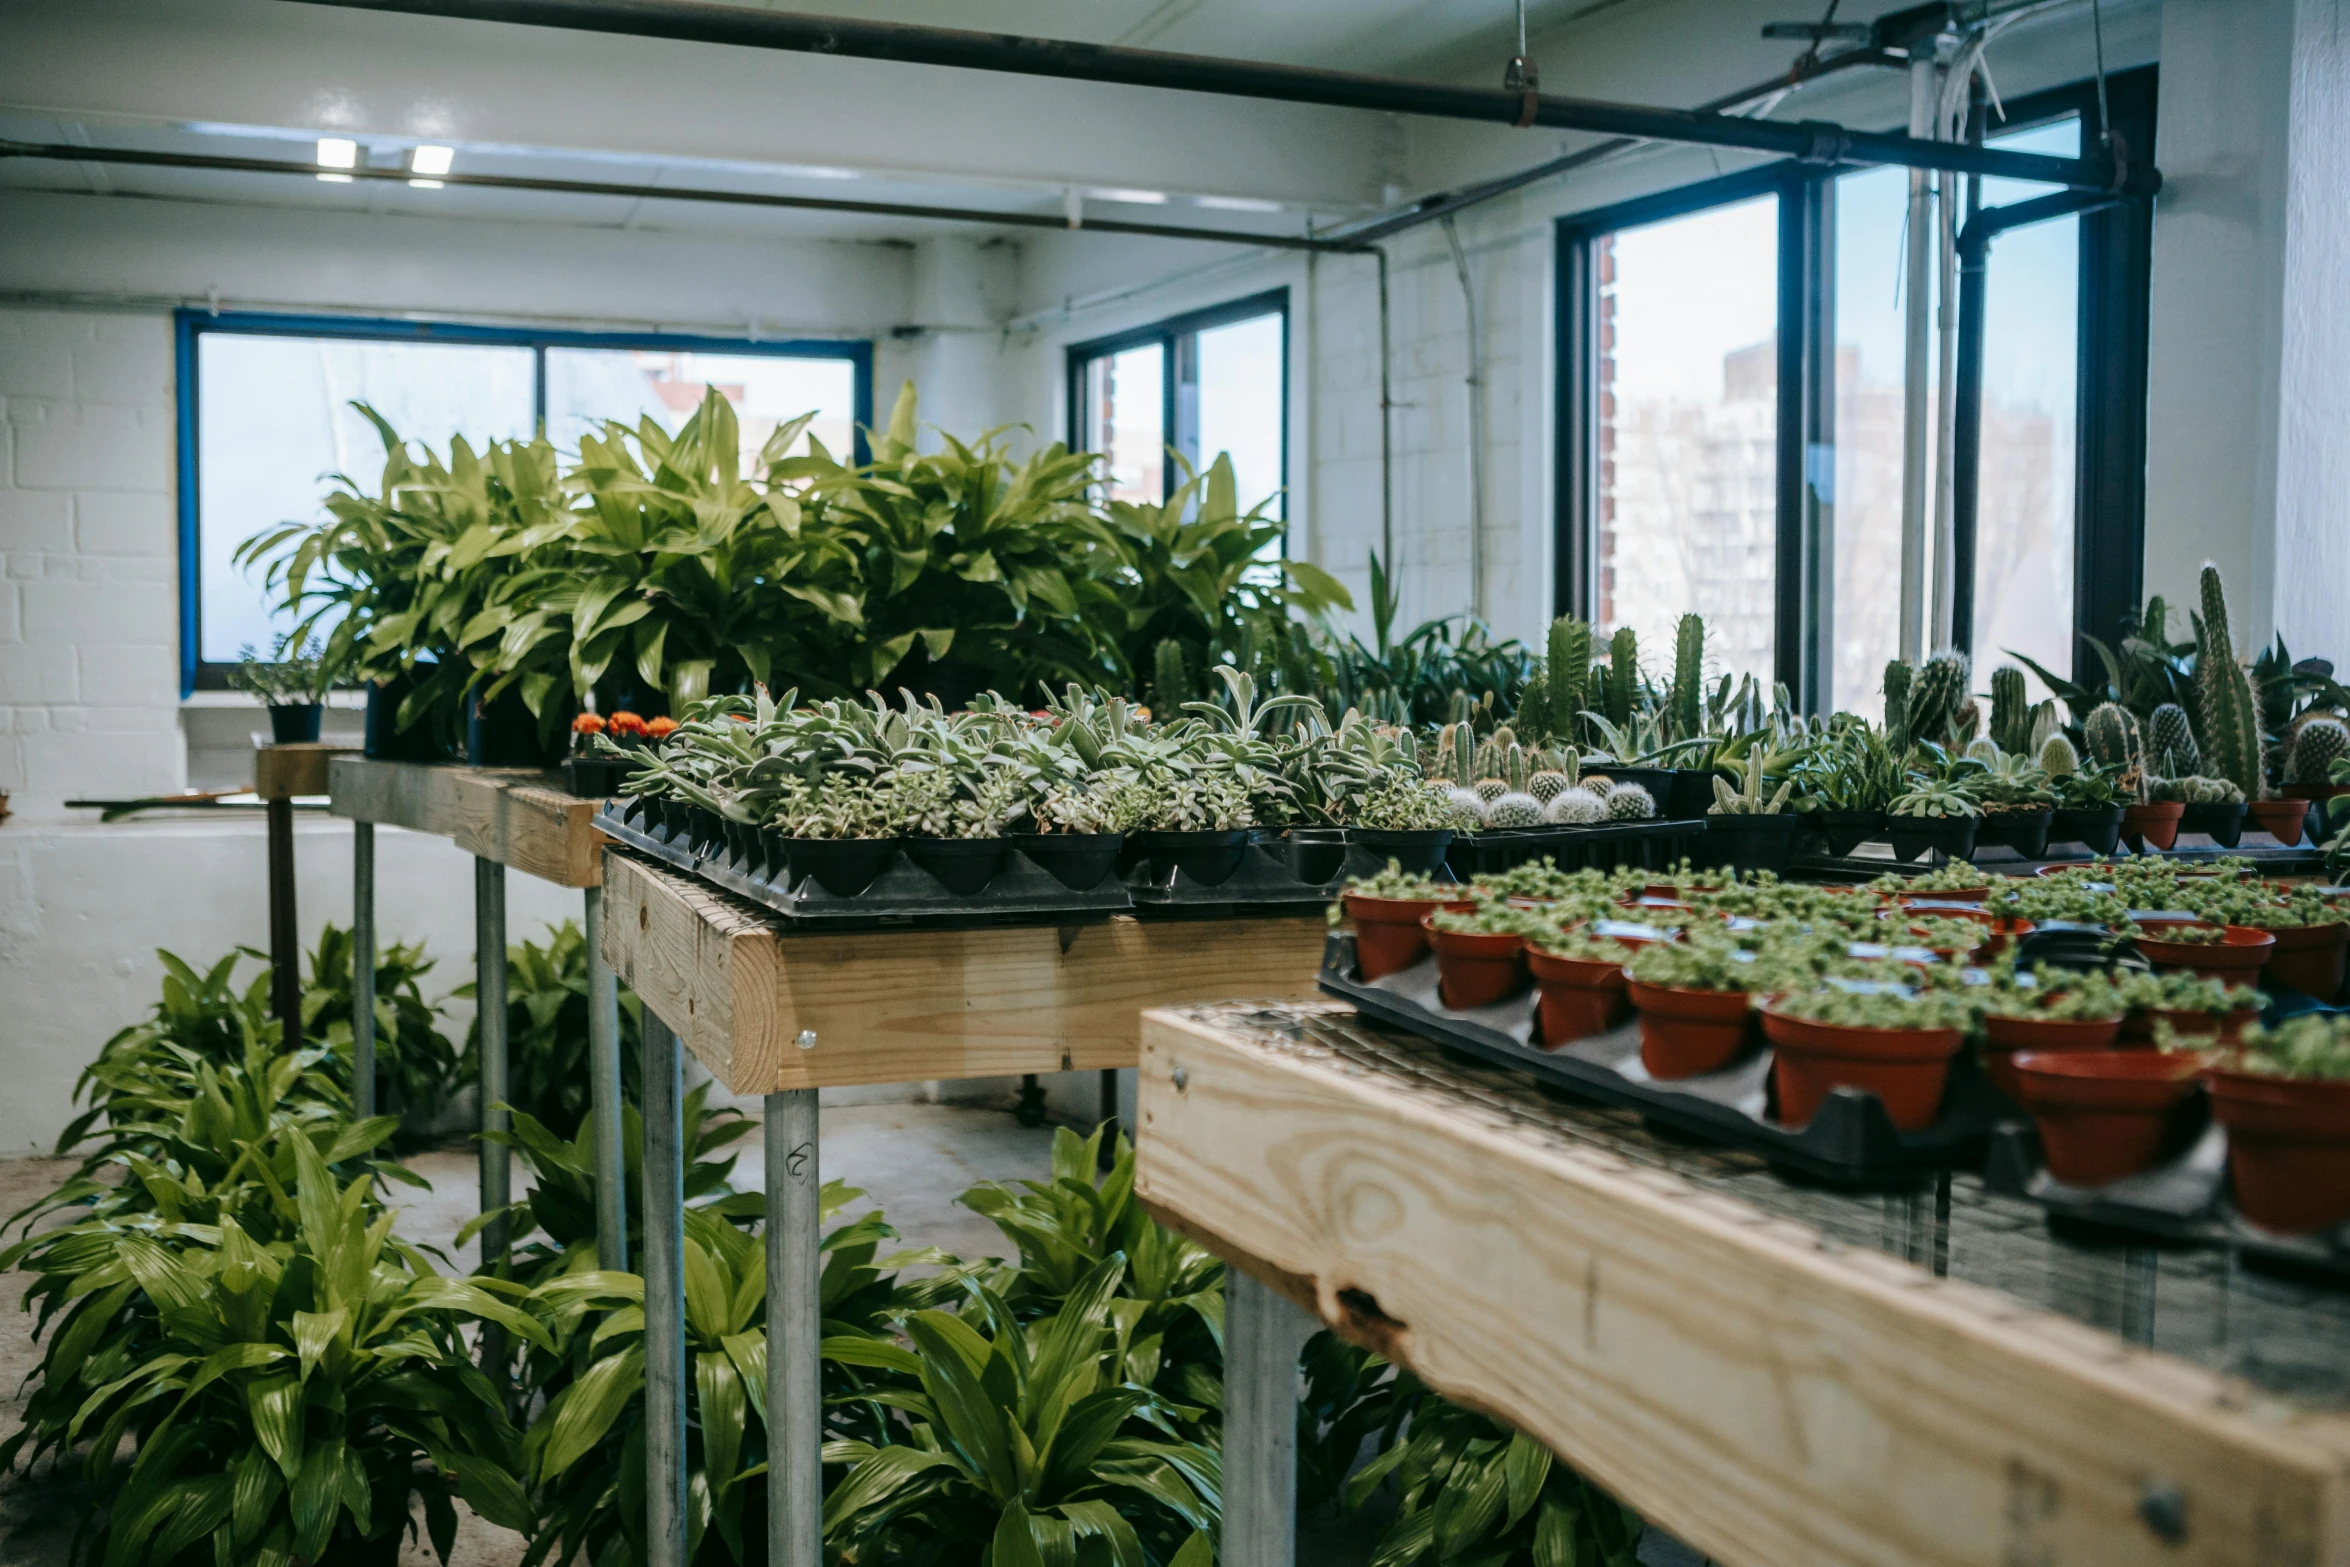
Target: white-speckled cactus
pixel 1575 808
pixel 1547 786
pixel 1468 805
pixel 1598 784
pixel 1630 803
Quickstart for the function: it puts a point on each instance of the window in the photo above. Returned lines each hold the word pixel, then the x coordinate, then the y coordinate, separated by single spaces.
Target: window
pixel 1213 382
pixel 266 420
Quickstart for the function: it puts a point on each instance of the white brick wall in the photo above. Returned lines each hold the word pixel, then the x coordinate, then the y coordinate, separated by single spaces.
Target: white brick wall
pixel 88 559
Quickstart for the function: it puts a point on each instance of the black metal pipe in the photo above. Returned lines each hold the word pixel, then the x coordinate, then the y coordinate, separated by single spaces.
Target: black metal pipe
pixel 1966 457
pixel 694 21
pixel 69 152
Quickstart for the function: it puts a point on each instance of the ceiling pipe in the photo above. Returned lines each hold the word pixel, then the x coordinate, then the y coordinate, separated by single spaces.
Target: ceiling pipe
pixel 694 21
pixel 71 152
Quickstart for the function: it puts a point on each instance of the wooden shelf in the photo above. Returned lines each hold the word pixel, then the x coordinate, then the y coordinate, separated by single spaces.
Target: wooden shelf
pixel 518 817
pixel 893 1006
pixel 281 772
pixel 1751 1384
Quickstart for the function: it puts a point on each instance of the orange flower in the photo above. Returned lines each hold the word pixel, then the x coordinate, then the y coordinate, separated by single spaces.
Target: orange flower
pixel 627 724
pixel 660 728
pixel 588 724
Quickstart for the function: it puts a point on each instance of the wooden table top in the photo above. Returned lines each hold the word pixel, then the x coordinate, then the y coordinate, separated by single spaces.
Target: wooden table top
pixel 521 818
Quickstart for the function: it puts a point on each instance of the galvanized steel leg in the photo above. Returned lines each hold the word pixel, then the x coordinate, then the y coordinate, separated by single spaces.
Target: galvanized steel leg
pixel 1263 1334
pixel 363 969
pixel 795 1327
pixel 604 1094
pixel 665 1476
pixel 489 995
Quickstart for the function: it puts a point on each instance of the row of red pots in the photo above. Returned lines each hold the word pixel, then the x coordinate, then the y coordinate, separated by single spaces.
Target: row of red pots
pixel 2155 823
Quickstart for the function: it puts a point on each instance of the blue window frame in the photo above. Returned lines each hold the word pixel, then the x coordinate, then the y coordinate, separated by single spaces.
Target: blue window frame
pixel 264 419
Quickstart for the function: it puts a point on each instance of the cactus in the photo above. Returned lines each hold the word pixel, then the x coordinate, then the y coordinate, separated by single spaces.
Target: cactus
pixel 2194 790
pixel 1629 803
pixel 2011 716
pixel 1468 807
pixel 1575 808
pixel 1898 675
pixel 1684 705
pixel 1598 785
pixel 2319 744
pixel 1569 674
pixel 1985 750
pixel 1623 676
pixel 1534 718
pixel 2171 751
pixel 1748 799
pixel 2112 736
pixel 1515 807
pixel 1490 789
pixel 1935 696
pixel 2058 759
pixel 1463 771
pixel 2231 714
pixel 1548 785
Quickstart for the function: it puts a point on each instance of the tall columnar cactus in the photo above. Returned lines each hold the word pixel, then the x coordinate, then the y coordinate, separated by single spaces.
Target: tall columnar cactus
pixel 2113 740
pixel 1170 678
pixel 1685 704
pixel 2171 751
pixel 1514 806
pixel 1533 718
pixel 1569 674
pixel 1899 674
pixel 2011 715
pixel 1935 695
pixel 2231 714
pixel 1623 676
pixel 1464 755
pixel 2058 759
pixel 2320 743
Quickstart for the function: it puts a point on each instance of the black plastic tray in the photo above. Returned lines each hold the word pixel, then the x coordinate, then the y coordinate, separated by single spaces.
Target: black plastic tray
pixel 2184 1201
pixel 1262 884
pixel 1651 845
pixel 1020 894
pixel 1851 1141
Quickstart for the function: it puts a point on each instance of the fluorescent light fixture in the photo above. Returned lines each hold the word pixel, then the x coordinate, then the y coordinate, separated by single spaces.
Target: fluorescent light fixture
pixel 429 159
pixel 427 185
pixel 1141 198
pixel 1238 204
pixel 337 152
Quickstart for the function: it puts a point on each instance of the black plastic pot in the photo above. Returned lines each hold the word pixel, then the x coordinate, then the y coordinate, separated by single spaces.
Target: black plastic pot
pixel 2096 829
pixel 1079 861
pixel 1751 843
pixel 705 830
pixel 1419 853
pixel 843 867
pixel 1844 831
pixel 1314 854
pixel 1691 793
pixel 2026 832
pixel 1914 835
pixel 596 777
pixel 385 741
pixel 964 866
pixel 503 733
pixel 742 842
pixel 295 723
pixel 2222 824
pixel 1208 858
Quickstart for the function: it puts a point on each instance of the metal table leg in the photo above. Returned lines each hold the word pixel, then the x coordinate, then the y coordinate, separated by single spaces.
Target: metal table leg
pixel 1263 1333
pixel 604 1093
pixel 665 1475
pixel 363 969
pixel 795 1328
pixel 285 932
pixel 489 995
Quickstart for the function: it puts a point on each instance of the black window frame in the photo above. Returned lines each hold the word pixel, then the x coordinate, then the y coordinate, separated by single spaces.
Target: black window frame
pixel 2109 427
pixel 191 326
pixel 1180 423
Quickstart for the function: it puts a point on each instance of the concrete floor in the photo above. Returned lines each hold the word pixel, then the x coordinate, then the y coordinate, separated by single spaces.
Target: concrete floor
pixel 912 1160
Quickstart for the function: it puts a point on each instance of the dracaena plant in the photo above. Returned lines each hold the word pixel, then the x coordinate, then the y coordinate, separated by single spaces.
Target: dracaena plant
pixel 547 1030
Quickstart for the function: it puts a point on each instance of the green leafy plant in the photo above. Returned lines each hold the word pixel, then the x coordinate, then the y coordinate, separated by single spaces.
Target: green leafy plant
pixel 548 1071
pixel 1886 1007
pixel 2314 1047
pixel 416 1067
pixel 2057 995
pixel 1699 963
pixel 292 675
pixel 1753 796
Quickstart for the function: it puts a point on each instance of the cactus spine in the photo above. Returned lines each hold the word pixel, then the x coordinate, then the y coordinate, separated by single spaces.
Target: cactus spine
pixel 1898 675
pixel 2320 743
pixel 2231 714
pixel 2112 736
pixel 2011 716
pixel 1684 708
pixel 2171 751
pixel 1623 675
pixel 1569 674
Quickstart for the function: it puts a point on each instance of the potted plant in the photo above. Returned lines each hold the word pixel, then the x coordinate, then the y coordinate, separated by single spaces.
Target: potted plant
pixel 2317 744
pixel 2200 947
pixel 2211 806
pixel 2048 1010
pixel 1387 910
pixel 2312 932
pixel 291 683
pixel 1845 782
pixel 2018 802
pixel 1933 815
pixel 835 830
pixel 2185 1005
pixel 1579 981
pixel 1480 953
pixel 1695 1003
pixel 1749 827
pixel 947 805
pixel 2106 1114
pixel 1955 882
pixel 2088 797
pixel 1409 819
pixel 2284 1099
pixel 1894 1043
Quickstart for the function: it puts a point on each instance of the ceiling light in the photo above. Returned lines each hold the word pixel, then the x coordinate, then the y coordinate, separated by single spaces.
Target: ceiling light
pixel 1238 204
pixel 1145 198
pixel 427 184
pixel 429 159
pixel 337 152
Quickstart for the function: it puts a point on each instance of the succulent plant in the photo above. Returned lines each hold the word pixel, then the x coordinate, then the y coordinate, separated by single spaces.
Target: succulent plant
pixel 1490 789
pixel 2231 713
pixel 1900 673
pixel 2171 751
pixel 1623 676
pixel 2196 791
pixel 1575 808
pixel 1749 798
pixel 1548 785
pixel 2058 759
pixel 1630 803
pixel 1468 806
pixel 1939 801
pixel 1885 1008
pixel 2011 716
pixel 1397 883
pixel 2111 733
pixel 1598 785
pixel 2317 745
pixel 1568 674
pixel 1684 699
pixel 1936 695
pixel 1171 685
pixel 1514 807
pixel 2310 1046
pixel 1404 805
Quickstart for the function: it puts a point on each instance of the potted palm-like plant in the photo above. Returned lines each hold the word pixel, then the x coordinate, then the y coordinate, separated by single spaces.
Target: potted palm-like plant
pixel 1750 827
pixel 291 683
pixel 2284 1099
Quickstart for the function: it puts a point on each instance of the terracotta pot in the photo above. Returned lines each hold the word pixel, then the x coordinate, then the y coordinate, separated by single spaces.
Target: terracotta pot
pixel 1685 1033
pixel 1474 970
pixel 2287 821
pixel 1389 937
pixel 1905 1068
pixel 1578 996
pixel 2105 1114
pixel 2308 958
pixel 2004 1036
pixel 2237 957
pixel 2288 1149
pixel 1962 895
pixel 2154 824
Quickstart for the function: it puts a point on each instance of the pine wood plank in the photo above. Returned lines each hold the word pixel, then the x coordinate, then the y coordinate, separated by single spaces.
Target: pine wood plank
pixel 281 772
pixel 518 817
pixel 1769 1398
pixel 912 1005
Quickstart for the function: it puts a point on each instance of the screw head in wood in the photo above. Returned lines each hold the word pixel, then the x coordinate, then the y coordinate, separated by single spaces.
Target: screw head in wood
pixel 2163 1509
pixel 807 1039
pixel 1182 1080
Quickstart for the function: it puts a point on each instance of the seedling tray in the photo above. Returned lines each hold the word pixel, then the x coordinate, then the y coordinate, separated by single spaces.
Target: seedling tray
pixel 2182 1201
pixel 903 894
pixel 1262 884
pixel 1651 845
pixel 1851 1142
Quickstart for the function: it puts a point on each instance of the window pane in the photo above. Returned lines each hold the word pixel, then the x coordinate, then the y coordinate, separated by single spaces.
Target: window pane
pixel 1125 421
pixel 276 421
pixel 1688 431
pixel 1872 213
pixel 586 386
pixel 2031 337
pixel 1239 370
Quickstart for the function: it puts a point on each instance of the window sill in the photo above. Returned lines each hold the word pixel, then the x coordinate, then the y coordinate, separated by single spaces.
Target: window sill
pixel 336 701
